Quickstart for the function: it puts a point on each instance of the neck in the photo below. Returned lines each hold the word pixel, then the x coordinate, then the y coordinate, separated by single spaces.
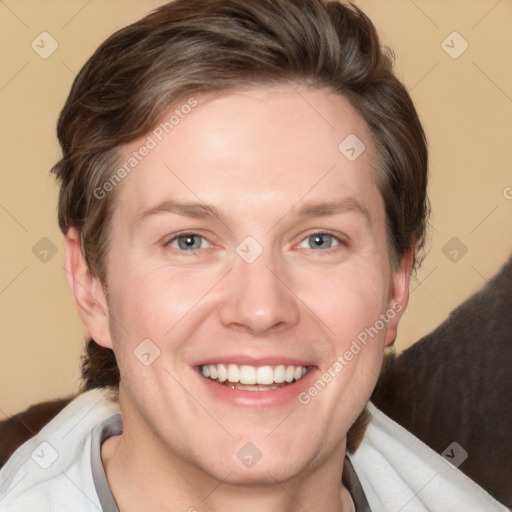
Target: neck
pixel 150 478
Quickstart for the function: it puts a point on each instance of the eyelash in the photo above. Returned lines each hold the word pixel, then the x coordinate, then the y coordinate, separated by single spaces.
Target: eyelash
pixel 184 235
pixel 340 241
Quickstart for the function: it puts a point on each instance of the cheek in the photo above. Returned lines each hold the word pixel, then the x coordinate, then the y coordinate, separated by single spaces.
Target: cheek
pixel 349 300
pixel 350 304
pixel 150 301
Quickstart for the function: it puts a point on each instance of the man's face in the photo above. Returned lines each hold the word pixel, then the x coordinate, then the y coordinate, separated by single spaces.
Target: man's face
pixel 247 244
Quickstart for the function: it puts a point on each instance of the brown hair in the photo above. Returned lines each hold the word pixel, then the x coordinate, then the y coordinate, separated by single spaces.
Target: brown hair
pixel 190 47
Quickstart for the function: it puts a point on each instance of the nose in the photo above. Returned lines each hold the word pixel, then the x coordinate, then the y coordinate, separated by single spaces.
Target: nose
pixel 258 297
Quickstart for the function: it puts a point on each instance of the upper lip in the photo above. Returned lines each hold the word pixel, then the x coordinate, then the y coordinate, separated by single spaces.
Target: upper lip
pixel 242 359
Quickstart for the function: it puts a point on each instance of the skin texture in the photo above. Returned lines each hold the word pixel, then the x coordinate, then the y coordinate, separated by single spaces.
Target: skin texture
pixel 258 156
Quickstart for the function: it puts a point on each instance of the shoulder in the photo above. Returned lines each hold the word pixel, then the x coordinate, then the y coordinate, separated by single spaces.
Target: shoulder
pixel 57 458
pixel 399 472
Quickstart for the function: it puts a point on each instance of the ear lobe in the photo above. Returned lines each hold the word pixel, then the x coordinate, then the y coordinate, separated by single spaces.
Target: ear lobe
pixel 399 296
pixel 87 291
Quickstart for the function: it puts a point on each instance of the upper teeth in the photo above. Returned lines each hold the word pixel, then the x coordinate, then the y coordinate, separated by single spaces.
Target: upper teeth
pixel 253 374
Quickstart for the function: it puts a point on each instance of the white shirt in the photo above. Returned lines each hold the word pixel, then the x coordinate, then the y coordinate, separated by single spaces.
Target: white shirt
pixel 52 471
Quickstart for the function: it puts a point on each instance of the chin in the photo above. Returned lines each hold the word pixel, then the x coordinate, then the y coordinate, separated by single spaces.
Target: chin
pixel 262 462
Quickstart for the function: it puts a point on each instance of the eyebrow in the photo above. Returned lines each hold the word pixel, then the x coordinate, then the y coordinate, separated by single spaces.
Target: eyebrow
pixel 204 211
pixel 186 209
pixel 348 204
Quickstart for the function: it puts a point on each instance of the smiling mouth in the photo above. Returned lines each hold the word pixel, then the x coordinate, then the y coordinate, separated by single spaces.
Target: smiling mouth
pixel 253 378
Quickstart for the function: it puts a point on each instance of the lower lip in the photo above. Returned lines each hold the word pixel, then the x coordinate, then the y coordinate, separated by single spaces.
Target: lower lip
pixel 258 399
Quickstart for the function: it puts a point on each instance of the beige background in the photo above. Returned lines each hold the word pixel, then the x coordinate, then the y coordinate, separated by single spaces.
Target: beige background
pixel 465 105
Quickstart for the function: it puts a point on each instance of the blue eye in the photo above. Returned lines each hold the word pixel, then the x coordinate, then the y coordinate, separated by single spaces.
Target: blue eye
pixel 188 242
pixel 320 241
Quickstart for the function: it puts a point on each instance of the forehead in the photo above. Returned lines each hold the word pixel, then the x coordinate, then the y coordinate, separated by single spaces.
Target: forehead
pixel 265 146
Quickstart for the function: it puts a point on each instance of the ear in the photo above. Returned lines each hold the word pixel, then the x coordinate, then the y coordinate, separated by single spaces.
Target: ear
pixel 399 297
pixel 87 291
